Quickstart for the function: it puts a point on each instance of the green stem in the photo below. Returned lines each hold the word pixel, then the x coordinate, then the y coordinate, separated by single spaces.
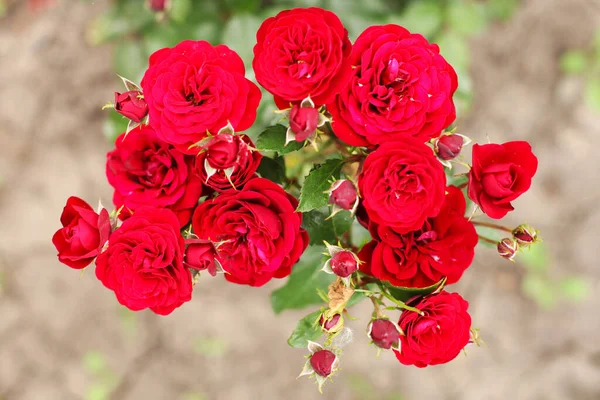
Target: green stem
pixel 493 226
pixel 399 303
pixel 487 240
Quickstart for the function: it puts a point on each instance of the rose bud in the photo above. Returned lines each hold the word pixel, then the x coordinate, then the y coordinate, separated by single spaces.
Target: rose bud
pixel 131 105
pixel 202 255
pixel 384 333
pixel 342 263
pixel 525 235
pixel 333 324
pixel 304 120
pixel 158 5
pixel 344 196
pixel 447 147
pixel 507 248
pixel 321 364
pixel 83 234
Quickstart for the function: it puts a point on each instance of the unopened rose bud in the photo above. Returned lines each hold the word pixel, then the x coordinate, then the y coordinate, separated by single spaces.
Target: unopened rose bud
pixel 333 324
pixel 303 121
pixel 201 255
pixel 384 333
pixel 447 147
pixel 343 194
pixel 525 235
pixel 131 105
pixel 157 5
pixel 322 362
pixel 507 248
pixel 344 263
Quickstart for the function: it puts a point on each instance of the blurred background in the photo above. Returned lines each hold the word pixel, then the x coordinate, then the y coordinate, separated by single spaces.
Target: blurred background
pixel 528 69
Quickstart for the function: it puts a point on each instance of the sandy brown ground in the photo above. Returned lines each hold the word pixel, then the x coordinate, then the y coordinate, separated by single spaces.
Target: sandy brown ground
pixel 51 146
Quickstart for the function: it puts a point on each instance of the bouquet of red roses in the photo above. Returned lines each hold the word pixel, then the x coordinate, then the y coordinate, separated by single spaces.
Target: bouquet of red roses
pixel 193 193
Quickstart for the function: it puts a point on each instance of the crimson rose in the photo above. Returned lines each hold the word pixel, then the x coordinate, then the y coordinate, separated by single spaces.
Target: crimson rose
pixel 260 230
pixel 401 86
pixel 300 53
pixel 443 247
pixel 227 161
pixel 402 184
pixel 500 173
pixel 146 171
pixel 143 263
pixel 438 336
pixel 83 234
pixel 193 88
pixel 131 105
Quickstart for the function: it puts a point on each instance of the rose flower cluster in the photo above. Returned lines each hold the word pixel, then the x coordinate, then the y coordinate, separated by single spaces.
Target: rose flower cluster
pixel 189 197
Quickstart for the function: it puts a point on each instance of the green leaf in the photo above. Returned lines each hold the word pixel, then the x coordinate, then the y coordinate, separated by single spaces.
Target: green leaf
pixel 592 94
pixel 360 235
pixel 317 227
pixel 534 257
pixel 466 18
pixel 316 184
pixel 342 222
pixel 301 288
pixel 573 62
pixel 575 289
pixel 356 298
pixel 406 293
pixel 273 139
pixel 305 330
pixel 272 169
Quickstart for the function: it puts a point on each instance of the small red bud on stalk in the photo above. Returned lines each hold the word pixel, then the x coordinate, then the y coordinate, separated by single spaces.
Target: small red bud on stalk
pixel 507 248
pixel 158 5
pixel 131 105
pixel 384 333
pixel 448 146
pixel 322 363
pixel 332 324
pixel 343 195
pixel 304 120
pixel 342 263
pixel 525 235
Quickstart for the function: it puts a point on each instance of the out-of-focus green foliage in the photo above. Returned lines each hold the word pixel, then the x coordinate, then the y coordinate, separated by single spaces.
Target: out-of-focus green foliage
pixel 585 62
pixel 104 380
pixel 137 32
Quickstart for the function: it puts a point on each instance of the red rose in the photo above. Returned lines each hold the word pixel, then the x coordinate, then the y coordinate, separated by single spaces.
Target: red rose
pixel 146 171
pixel 227 161
pixel 438 336
pixel 131 105
pixel 300 53
pixel 83 234
pixel 201 255
pixel 500 173
pixel 193 88
pixel 401 86
pixel 448 147
pixel 443 247
pixel 303 121
pixel 143 263
pixel 402 184
pixel 259 228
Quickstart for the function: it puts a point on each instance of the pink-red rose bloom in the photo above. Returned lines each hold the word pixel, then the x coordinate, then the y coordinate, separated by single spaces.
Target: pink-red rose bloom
pixel 143 263
pixel 260 230
pixel 201 255
pixel 402 184
pixel 302 52
pixel 146 171
pixel 303 121
pixel 443 247
pixel 401 86
pixel 231 158
pixel 500 173
pixel 83 234
pixel 195 87
pixel 131 105
pixel 438 336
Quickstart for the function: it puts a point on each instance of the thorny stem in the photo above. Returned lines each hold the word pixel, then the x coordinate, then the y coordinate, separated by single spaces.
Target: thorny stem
pixel 376 306
pixel 493 226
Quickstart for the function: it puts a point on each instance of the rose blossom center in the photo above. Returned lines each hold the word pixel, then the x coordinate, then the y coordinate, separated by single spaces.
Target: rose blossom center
pixel 395 77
